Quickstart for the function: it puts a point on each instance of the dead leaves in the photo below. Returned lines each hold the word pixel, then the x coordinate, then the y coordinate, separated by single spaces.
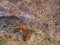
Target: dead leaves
pixel 25 27
pixel 26 32
pixel 13 10
pixel 1 38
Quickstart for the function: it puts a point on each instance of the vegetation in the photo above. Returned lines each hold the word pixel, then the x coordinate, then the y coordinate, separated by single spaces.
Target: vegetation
pixel 3 41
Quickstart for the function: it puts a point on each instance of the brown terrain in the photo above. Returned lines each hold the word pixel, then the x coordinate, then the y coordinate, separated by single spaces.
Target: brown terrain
pixel 29 22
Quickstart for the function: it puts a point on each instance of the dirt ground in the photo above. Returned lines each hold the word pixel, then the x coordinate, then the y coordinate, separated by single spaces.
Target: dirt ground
pixel 29 22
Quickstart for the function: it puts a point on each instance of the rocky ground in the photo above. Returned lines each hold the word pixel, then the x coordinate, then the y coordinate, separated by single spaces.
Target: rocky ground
pixel 29 22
